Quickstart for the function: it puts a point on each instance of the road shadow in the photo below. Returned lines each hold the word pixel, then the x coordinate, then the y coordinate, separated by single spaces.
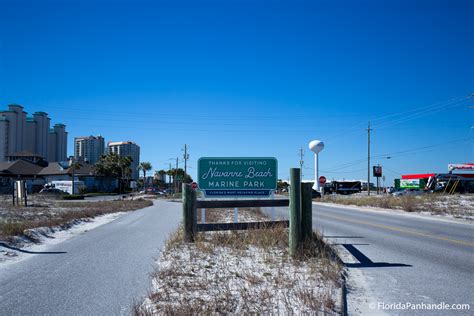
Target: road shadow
pixel 352 244
pixel 32 252
pixel 350 237
pixel 365 262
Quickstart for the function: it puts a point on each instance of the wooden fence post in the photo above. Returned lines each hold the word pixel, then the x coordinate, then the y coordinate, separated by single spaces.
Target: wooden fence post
pixel 306 210
pixel 295 210
pixel 189 212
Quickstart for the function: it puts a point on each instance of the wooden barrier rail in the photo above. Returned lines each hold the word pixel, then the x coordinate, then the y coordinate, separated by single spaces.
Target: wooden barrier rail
pixel 242 203
pixel 299 205
pixel 240 226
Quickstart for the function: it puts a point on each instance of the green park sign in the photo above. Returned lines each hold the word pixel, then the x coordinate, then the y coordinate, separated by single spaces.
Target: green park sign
pixel 223 176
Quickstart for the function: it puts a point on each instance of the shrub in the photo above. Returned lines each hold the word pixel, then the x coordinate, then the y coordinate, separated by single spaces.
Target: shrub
pixel 408 203
pixel 12 228
pixel 73 197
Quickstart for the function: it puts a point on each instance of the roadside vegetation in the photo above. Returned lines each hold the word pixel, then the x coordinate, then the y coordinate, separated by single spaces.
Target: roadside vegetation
pixel 461 206
pixel 16 221
pixel 243 272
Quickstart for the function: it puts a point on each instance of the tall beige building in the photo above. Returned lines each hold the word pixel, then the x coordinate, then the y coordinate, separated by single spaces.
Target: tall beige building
pixel 89 148
pixel 37 133
pixel 15 138
pixel 41 134
pixel 57 143
pixel 124 149
pixel 19 133
pixel 4 123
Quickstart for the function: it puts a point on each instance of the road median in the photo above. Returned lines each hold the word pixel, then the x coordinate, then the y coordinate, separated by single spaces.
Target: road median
pixel 247 271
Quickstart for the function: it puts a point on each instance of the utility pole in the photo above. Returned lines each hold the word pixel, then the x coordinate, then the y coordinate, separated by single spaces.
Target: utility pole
pixel 378 183
pixel 176 175
pixel 169 177
pixel 368 159
pixel 186 157
pixel 301 163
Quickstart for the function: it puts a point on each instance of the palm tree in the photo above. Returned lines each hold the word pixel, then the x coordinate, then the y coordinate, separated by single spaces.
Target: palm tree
pixel 144 166
pixel 125 171
pixel 172 174
pixel 74 165
pixel 160 176
pixel 112 166
pixel 161 173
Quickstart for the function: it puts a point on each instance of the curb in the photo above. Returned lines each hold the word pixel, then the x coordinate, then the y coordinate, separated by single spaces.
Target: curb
pixel 343 307
pixel 344 297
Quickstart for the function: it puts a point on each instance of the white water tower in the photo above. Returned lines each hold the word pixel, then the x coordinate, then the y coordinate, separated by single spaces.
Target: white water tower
pixel 316 146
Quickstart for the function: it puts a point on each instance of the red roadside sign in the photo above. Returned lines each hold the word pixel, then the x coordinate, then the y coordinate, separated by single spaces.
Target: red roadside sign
pixel 322 179
pixel 194 185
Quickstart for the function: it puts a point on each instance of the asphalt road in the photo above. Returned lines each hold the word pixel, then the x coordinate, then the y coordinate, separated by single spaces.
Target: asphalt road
pixel 405 258
pixel 100 272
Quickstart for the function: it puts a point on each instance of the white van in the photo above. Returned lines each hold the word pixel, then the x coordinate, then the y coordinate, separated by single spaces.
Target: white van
pixel 66 186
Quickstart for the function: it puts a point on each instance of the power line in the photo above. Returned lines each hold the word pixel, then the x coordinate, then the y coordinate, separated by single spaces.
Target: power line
pixel 398 153
pixel 348 171
pixel 412 114
pixel 391 170
pixel 180 122
pixel 232 117
pixel 171 119
pixel 424 147
pixel 423 108
pixel 423 112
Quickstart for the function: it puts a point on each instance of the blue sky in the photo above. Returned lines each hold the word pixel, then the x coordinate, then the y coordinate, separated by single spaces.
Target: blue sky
pixel 251 78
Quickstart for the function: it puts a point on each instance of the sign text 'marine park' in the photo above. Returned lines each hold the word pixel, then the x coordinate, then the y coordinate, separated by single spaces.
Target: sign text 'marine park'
pixel 223 176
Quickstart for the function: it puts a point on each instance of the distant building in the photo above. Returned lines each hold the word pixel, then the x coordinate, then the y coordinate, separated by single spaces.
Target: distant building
pixel 57 143
pixel 3 138
pixel 89 148
pixel 25 155
pixel 13 125
pixel 22 134
pixel 40 133
pixel 124 149
pixel 37 175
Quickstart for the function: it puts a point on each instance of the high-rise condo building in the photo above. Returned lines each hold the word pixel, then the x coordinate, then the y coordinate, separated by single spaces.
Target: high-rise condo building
pixel 37 133
pixel 20 134
pixel 89 148
pixel 124 149
pixel 57 143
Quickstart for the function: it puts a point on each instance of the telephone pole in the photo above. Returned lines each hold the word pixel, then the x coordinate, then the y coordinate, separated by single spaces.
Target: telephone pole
pixel 301 163
pixel 186 157
pixel 368 159
pixel 176 176
pixel 169 175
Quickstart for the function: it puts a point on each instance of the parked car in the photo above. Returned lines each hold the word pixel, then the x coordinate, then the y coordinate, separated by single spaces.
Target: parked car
pixel 405 192
pixel 154 191
pixel 315 194
pixel 52 191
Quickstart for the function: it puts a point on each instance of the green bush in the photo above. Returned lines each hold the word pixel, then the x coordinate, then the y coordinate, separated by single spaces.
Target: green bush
pixel 73 197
